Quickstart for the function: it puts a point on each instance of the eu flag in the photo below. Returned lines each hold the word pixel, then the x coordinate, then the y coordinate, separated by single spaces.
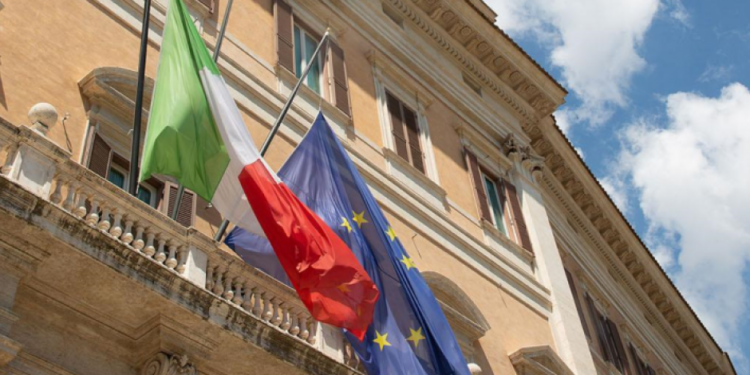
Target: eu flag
pixel 409 333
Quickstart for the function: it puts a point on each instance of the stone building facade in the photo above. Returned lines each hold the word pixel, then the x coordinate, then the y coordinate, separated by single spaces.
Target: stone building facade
pixel 444 115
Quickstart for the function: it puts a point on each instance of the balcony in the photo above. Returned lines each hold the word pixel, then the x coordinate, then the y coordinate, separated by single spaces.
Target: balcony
pixel 120 288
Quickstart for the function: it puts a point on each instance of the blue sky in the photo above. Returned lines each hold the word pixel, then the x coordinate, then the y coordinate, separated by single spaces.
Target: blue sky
pixel 659 108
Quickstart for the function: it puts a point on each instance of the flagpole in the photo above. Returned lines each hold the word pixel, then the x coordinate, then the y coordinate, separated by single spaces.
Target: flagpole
pixel 135 147
pixel 220 39
pixel 280 119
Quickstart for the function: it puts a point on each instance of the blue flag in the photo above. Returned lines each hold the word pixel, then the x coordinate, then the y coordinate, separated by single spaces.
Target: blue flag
pixel 409 333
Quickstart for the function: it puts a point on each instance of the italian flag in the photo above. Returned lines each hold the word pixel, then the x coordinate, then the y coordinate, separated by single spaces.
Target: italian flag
pixel 196 135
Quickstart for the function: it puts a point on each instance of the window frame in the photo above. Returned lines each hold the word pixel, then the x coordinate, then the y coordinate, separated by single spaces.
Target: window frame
pixel 323 84
pixel 407 138
pixel 501 198
pixel 387 78
pixel 126 180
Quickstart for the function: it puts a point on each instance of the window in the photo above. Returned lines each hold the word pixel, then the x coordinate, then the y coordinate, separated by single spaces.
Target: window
pixel 640 367
pixel 494 200
pixel 498 203
pixel 405 131
pixel 304 47
pixel 105 162
pixel 295 44
pixel 119 176
pixel 610 343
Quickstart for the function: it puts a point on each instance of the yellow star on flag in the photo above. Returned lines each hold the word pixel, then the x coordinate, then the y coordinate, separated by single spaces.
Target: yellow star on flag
pixel 381 340
pixel 416 336
pixel 359 218
pixel 345 224
pixel 408 262
pixel 343 288
pixel 391 233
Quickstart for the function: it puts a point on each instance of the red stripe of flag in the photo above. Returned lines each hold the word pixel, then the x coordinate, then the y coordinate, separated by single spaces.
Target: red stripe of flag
pixel 329 279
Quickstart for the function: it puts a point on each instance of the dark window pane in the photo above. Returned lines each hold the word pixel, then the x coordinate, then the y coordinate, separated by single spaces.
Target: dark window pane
pixel 497 210
pixel 144 195
pixel 114 176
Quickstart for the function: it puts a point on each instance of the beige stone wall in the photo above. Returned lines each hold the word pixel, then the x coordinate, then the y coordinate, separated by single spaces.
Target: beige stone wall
pixel 49 46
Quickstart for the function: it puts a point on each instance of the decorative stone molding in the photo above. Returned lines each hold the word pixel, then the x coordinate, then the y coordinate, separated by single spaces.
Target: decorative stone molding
pixel 497 70
pixel 530 161
pixel 113 89
pixel 538 360
pixel 163 364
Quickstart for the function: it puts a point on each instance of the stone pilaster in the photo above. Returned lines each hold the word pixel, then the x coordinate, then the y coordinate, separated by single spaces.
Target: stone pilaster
pixel 564 321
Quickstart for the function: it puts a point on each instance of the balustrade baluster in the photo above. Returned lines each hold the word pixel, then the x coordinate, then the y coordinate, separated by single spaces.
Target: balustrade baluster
pixel 267 306
pixel 70 202
pixel 228 292
pixel 304 333
pixel 127 236
pixel 295 323
pixel 237 291
pixel 218 285
pixel 116 229
pixel 247 302
pixel 56 196
pixel 93 216
pixel 104 221
pixel 256 302
pixel 182 260
pixel 171 261
pixel 314 332
pixel 149 249
pixel 285 323
pixel 138 243
pixel 80 210
pixel 276 317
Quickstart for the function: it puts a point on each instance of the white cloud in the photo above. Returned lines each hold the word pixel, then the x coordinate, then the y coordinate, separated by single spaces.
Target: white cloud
pixel 691 175
pixel 677 11
pixel 594 42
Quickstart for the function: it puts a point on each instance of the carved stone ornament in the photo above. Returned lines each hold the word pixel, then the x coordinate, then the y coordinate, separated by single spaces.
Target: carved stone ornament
pixel 531 161
pixel 163 364
pixel 511 148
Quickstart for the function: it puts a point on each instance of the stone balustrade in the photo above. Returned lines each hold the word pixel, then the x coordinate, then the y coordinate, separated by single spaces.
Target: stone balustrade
pixel 261 296
pixel 31 160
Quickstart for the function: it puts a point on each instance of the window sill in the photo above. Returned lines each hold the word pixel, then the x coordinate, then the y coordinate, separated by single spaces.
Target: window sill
pixel 310 101
pixel 496 238
pixel 414 179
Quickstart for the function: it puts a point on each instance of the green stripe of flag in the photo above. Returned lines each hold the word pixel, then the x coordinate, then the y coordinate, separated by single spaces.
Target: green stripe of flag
pixel 182 140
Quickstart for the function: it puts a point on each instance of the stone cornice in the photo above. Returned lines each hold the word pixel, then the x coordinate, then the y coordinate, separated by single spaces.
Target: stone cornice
pixel 635 264
pixel 480 56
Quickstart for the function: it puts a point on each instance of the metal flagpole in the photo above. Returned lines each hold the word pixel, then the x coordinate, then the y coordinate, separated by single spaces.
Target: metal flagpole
pixel 220 39
pixel 135 148
pixel 280 119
